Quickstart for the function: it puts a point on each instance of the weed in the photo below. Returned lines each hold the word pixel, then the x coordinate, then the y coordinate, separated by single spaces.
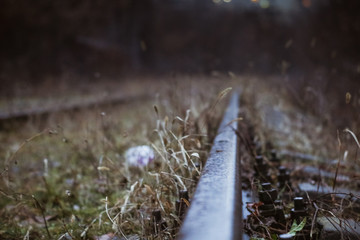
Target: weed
pixel 71 180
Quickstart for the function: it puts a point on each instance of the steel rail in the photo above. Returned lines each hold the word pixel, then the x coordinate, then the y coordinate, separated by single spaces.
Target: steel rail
pixel 68 106
pixel 216 207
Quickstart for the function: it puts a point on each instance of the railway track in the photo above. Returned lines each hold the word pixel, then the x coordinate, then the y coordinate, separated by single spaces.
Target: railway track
pixel 216 211
pixel 246 193
pixel 69 106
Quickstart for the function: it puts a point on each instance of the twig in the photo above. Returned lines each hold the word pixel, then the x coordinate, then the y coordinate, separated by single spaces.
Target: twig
pixel 83 234
pixel 113 222
pixel 66 229
pixel 314 219
pixel 338 164
pixel 356 140
pixel 337 193
pixel 43 215
pixel 27 235
pixel 11 158
pixel 353 135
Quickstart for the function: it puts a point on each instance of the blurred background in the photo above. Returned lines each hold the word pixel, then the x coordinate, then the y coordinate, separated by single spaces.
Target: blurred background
pixel 50 38
pixel 303 42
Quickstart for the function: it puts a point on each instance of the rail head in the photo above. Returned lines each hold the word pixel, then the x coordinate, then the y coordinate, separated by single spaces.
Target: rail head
pixel 216 208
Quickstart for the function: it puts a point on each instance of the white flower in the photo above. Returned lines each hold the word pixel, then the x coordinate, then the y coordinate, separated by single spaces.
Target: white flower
pixel 139 156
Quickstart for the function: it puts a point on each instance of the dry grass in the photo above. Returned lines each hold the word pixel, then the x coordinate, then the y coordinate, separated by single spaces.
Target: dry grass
pixel 65 176
pixel 307 121
pixel 67 171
